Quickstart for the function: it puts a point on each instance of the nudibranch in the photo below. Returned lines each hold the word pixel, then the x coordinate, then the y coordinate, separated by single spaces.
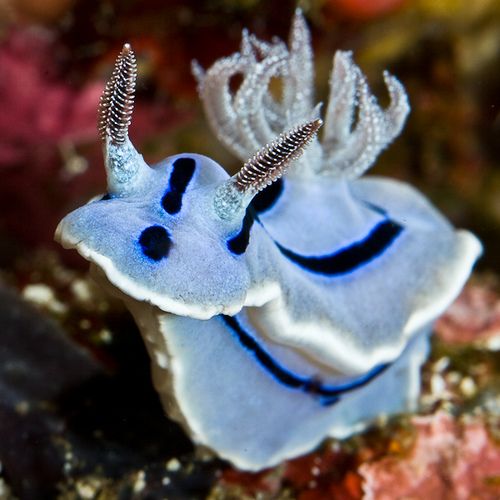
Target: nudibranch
pixel 278 309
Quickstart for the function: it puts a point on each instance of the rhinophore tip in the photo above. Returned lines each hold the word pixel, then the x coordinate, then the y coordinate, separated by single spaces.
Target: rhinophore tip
pixel 265 166
pixel 271 162
pixel 117 101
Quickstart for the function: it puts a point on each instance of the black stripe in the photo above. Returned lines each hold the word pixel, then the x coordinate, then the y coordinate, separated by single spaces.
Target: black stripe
pixel 239 243
pixel 261 202
pixel 265 199
pixel 328 394
pixel 349 258
pixel 182 172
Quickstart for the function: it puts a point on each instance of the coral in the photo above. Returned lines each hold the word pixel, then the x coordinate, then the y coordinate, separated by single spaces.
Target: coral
pixel 450 459
pixel 42 118
pixel 38 109
pixel 473 318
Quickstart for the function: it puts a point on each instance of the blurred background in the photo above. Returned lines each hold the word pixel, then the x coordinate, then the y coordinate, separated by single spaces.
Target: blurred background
pixel 55 56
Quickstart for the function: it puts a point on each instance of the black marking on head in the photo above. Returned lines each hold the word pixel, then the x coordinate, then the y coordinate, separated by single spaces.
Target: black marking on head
pixel 182 172
pixel 328 394
pixel 351 257
pixel 155 242
pixel 265 199
pixel 239 243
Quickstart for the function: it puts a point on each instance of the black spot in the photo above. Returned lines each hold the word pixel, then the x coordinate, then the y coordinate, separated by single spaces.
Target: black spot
pixel 350 258
pixel 155 242
pixel 265 200
pixel 182 172
pixel 107 196
pixel 239 243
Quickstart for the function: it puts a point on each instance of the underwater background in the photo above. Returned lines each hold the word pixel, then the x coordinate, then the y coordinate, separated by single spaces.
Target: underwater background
pixel 78 415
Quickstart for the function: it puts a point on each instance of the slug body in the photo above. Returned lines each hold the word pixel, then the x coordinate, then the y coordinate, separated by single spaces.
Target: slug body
pixel 277 309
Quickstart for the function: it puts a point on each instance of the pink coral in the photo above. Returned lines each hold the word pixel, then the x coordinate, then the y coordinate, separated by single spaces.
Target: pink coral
pixel 473 317
pixel 40 112
pixel 38 109
pixel 449 460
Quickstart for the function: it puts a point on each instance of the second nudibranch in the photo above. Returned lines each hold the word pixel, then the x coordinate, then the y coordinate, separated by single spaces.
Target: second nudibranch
pixel 277 309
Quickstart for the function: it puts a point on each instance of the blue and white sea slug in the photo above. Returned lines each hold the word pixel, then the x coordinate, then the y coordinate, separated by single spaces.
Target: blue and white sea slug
pixel 277 309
